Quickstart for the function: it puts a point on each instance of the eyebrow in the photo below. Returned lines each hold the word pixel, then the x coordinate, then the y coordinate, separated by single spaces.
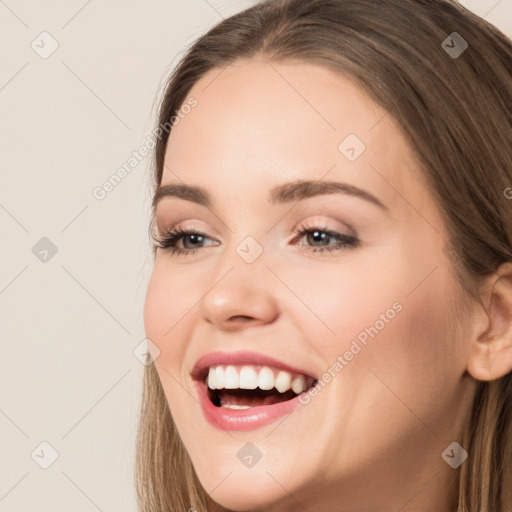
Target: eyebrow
pixel 285 193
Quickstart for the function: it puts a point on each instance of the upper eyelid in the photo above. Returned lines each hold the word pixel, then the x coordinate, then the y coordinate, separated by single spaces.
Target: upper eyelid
pixel 314 221
pixel 301 226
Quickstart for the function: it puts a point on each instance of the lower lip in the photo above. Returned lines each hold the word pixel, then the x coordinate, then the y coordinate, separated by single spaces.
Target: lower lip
pixel 242 419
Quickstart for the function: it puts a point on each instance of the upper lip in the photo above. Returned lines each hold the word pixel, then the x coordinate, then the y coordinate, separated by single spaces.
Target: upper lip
pixel 240 358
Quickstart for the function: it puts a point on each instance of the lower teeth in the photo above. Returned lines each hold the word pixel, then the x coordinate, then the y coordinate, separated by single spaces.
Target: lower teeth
pixel 233 406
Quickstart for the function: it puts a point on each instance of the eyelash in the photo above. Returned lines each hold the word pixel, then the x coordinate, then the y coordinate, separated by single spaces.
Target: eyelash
pixel 168 240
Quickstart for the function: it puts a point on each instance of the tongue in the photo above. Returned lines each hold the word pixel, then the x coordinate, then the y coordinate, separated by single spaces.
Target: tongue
pixel 253 398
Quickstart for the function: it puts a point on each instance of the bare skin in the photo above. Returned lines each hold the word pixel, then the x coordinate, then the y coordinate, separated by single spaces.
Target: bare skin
pixel 372 439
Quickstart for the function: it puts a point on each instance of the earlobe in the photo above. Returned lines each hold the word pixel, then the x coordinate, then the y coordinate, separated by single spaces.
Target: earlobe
pixel 490 355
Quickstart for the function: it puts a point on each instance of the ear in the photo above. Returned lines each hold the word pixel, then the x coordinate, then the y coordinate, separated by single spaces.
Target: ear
pixel 490 355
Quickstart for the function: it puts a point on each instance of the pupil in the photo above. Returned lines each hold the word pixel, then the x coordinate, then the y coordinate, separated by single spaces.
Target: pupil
pixel 322 237
pixel 192 236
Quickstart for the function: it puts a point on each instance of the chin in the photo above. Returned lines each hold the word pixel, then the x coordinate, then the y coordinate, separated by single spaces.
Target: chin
pixel 244 490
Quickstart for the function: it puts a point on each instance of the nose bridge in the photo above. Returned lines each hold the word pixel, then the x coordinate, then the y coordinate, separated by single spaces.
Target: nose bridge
pixel 242 286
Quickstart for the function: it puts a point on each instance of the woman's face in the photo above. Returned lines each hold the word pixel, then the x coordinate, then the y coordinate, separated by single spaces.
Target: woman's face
pixel 254 304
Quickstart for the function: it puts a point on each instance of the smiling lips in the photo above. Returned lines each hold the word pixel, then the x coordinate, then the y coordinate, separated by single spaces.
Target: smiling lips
pixel 244 390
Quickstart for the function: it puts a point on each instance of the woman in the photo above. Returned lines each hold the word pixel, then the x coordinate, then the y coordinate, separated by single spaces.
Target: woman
pixel 330 308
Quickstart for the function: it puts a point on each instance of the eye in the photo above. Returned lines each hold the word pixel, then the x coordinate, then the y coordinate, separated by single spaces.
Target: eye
pixel 322 235
pixel 168 241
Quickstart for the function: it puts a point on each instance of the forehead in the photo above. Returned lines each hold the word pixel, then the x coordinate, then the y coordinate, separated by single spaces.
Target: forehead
pixel 258 124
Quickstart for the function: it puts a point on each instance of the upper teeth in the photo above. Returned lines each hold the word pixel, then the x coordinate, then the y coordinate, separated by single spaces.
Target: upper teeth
pixel 248 377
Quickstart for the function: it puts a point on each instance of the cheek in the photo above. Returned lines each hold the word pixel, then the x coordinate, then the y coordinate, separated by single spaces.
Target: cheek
pixel 165 304
pixel 156 304
pixel 414 361
pixel 169 300
pixel 386 319
pixel 336 304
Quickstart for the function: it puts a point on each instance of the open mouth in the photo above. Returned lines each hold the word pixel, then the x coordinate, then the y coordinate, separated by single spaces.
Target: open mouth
pixel 244 387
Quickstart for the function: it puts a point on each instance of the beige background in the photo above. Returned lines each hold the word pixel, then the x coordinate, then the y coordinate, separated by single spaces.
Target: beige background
pixel 69 324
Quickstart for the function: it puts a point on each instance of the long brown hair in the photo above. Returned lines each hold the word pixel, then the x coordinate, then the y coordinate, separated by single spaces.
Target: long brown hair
pixel 454 105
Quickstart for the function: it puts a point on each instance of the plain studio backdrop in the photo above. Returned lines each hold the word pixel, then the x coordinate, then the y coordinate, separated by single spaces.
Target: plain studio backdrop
pixel 78 83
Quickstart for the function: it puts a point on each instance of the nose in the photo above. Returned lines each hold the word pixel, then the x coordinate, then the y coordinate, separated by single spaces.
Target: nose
pixel 240 296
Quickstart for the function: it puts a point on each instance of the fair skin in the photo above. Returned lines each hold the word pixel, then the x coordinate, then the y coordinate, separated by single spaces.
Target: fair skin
pixel 372 438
